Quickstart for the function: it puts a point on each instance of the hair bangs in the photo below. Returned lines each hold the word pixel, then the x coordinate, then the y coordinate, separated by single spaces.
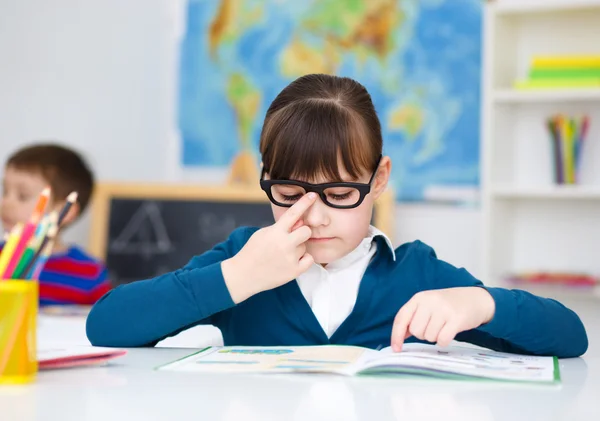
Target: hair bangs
pixel 312 138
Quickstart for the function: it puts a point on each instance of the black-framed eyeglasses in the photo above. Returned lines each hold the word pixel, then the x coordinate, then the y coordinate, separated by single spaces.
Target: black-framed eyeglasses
pixel 341 195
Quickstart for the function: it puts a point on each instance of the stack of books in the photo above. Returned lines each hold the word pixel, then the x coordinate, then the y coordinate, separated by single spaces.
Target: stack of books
pixel 548 72
pixel 571 279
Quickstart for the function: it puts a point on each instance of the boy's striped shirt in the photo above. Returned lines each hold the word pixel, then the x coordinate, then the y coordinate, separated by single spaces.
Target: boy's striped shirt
pixel 72 277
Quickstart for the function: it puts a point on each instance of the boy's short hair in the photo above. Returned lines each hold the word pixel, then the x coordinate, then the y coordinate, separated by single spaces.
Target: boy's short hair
pixel 63 168
pixel 316 121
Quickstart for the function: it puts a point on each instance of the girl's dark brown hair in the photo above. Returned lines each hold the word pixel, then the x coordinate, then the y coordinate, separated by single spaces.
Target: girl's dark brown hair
pixel 316 121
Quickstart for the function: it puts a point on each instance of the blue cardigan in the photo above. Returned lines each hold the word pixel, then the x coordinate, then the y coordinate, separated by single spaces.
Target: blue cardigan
pixel 144 312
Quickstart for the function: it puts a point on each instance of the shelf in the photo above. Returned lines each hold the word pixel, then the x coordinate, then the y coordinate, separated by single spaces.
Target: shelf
pixel 552 192
pixel 528 222
pixel 516 7
pixel 513 96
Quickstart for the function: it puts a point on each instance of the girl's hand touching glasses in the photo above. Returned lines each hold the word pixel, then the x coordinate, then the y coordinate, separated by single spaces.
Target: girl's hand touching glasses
pixel 273 255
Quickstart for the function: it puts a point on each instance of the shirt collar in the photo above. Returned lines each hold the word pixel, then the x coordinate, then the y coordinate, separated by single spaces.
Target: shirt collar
pixel 374 232
pixel 363 249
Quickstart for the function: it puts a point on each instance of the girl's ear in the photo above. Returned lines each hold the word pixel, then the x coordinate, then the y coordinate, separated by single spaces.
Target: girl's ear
pixel 382 177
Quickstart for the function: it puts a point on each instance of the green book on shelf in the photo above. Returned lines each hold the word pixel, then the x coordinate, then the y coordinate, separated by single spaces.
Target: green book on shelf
pixel 454 362
pixel 541 74
pixel 556 83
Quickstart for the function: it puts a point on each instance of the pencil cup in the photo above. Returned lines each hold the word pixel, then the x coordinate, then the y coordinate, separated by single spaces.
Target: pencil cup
pixel 18 342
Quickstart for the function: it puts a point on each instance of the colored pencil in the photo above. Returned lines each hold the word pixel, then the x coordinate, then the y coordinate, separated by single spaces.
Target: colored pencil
pixel 28 231
pixel 568 138
pixel 583 129
pixel 32 248
pixel 52 225
pixel 569 148
pixel 39 231
pixel 9 247
pixel 585 125
pixel 71 199
pixel 562 143
pixel 40 207
pixel 572 130
pixel 45 253
pixel 555 150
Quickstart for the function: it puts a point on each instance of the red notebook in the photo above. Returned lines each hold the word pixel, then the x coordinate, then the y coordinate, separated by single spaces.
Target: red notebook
pixel 75 356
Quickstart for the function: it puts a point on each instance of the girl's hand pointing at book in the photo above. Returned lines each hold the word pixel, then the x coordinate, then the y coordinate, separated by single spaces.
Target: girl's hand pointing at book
pixel 437 316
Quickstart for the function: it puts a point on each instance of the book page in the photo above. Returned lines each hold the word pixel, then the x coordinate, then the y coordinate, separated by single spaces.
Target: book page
pixel 330 359
pixel 464 361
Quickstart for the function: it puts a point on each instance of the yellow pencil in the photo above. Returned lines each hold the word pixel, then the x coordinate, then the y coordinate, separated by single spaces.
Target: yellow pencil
pixel 10 246
pixel 569 150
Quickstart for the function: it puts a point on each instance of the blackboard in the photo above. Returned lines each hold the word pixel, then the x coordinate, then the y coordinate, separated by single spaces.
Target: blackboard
pixel 142 231
pixel 149 237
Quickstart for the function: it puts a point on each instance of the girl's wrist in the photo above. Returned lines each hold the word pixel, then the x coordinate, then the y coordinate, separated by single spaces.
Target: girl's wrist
pixel 237 280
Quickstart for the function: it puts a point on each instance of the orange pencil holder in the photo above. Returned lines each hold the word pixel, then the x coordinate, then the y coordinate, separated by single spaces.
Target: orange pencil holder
pixel 18 335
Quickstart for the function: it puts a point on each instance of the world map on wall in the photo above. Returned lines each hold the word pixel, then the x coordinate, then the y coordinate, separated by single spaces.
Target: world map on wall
pixel 419 59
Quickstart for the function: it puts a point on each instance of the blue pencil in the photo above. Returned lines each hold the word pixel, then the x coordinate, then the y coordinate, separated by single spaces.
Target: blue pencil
pixel 38 261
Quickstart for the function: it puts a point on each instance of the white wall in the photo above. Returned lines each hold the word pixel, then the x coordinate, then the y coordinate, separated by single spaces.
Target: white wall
pixel 95 74
pixel 100 75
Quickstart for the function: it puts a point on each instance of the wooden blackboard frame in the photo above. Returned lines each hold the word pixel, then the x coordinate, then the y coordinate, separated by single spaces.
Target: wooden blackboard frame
pixel 105 192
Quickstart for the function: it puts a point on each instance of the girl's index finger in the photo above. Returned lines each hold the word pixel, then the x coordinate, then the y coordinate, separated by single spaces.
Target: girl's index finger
pixel 400 328
pixel 289 219
pixel 299 223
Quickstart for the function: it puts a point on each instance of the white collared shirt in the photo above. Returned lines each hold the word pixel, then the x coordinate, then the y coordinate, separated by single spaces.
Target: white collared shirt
pixel 331 291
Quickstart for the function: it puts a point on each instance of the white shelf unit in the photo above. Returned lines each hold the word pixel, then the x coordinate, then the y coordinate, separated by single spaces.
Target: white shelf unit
pixel 553 192
pixel 521 7
pixel 529 222
pixel 510 96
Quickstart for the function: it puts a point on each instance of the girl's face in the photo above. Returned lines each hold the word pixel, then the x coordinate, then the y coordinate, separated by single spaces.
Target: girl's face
pixel 336 232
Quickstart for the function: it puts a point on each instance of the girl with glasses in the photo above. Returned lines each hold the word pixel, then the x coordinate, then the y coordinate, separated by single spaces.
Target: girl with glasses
pixel 321 274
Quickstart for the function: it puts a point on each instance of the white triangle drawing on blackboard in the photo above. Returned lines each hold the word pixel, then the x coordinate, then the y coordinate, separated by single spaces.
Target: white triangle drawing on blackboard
pixel 145 234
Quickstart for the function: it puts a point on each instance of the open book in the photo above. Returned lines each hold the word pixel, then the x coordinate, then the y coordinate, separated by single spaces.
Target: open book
pixel 415 359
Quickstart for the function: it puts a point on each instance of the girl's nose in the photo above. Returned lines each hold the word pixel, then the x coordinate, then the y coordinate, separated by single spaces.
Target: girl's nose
pixel 317 214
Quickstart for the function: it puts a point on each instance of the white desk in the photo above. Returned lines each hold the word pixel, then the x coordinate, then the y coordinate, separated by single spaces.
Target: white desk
pixel 129 389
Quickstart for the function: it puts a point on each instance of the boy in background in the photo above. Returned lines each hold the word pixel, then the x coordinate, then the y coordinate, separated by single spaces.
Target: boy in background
pixel 70 276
